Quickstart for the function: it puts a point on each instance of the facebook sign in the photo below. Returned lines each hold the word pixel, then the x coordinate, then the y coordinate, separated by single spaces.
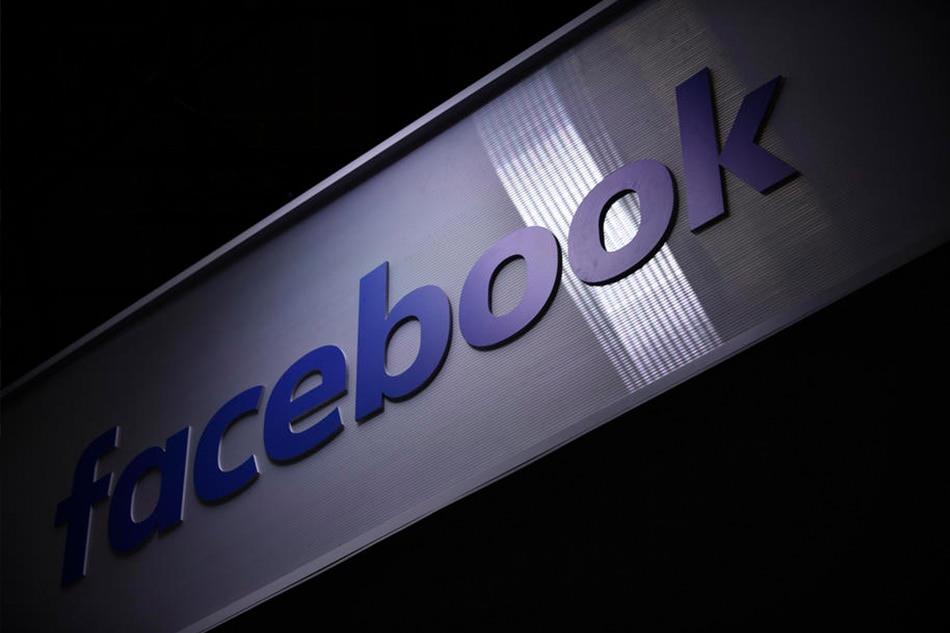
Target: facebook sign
pixel 636 199
pixel 431 307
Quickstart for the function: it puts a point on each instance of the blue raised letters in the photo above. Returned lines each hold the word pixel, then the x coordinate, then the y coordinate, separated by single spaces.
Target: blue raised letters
pixel 430 306
pixel 542 254
pixel 212 483
pixel 125 533
pixel 593 263
pixel 740 154
pixel 283 408
pixel 76 510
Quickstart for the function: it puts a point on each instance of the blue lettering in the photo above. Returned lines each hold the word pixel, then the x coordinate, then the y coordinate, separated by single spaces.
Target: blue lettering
pixel 125 533
pixel 593 263
pixel 76 511
pixel 542 255
pixel 283 409
pixel 430 306
pixel 212 483
pixel 740 154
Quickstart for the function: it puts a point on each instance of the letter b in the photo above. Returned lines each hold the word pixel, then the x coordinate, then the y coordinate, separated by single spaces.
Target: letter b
pixel 430 306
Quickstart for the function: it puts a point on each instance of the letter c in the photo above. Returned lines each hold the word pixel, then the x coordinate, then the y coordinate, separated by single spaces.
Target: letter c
pixel 212 484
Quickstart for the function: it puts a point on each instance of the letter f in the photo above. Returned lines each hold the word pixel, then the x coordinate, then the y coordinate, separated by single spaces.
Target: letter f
pixel 76 511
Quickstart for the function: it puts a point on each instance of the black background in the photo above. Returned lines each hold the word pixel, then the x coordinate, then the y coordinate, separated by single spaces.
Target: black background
pixel 799 486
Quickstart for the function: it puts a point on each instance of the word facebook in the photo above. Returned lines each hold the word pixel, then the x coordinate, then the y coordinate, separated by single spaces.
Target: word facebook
pixel 589 260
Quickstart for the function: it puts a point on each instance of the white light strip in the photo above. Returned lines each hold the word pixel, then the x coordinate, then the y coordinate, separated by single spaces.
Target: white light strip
pixel 648 323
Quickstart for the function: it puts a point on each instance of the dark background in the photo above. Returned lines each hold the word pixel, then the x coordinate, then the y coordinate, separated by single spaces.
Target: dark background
pixel 800 485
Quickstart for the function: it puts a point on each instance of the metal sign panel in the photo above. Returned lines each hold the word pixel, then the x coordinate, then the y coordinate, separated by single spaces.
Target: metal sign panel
pixel 376 354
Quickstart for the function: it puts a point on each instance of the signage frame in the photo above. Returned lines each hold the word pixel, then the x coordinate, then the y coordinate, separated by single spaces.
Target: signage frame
pixel 364 167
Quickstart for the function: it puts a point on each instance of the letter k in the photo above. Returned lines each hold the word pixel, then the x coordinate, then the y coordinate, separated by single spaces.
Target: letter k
pixel 740 154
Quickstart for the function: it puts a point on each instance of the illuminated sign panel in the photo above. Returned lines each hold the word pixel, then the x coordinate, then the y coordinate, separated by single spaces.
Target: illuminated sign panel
pixel 548 261
pixel 431 308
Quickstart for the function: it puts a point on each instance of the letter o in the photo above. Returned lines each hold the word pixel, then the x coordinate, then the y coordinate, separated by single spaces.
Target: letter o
pixel 590 261
pixel 542 254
